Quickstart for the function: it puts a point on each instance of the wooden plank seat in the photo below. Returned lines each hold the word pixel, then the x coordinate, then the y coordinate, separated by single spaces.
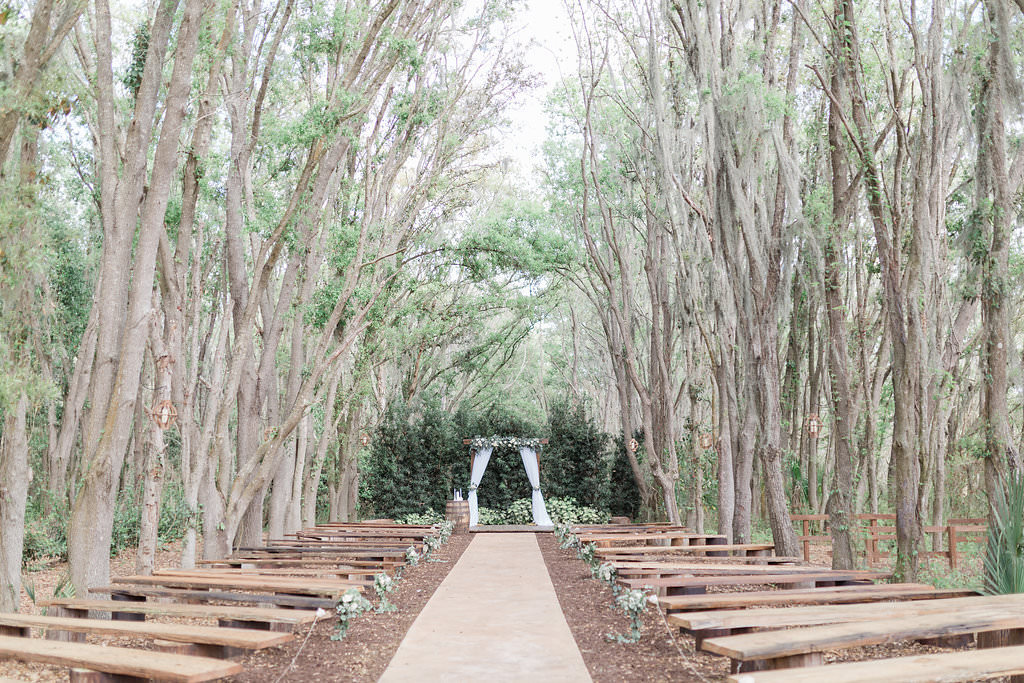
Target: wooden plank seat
pixel 259 618
pixel 681 584
pixel 295 586
pixel 805 646
pixel 724 622
pixel 654 551
pixel 208 641
pixel 118 663
pixel 319 550
pixel 140 593
pixel 284 562
pixel 815 596
pixel 258 575
pixel 947 667
pixel 656 569
pixel 327 571
pixel 651 536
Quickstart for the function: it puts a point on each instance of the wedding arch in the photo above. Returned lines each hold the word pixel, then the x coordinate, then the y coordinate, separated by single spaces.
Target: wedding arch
pixel 480 450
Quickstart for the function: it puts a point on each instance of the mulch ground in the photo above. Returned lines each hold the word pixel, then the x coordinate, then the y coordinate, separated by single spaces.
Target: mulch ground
pixel 362 655
pixel 588 607
pixel 372 638
pixel 660 655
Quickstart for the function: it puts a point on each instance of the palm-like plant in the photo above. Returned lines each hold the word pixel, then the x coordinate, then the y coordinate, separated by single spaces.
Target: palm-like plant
pixel 1004 556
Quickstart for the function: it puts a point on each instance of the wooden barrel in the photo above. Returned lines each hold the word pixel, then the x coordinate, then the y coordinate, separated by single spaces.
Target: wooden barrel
pixel 458 512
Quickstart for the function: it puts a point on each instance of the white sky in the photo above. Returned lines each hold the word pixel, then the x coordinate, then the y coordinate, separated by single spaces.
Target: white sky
pixel 550 51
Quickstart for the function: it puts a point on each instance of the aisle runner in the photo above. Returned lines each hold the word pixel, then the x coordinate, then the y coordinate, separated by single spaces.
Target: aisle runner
pixel 494 618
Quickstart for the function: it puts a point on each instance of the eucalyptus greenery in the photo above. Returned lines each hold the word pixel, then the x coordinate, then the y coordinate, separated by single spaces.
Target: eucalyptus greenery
pixel 633 604
pixel 382 585
pixel 412 558
pixel 513 442
pixel 350 606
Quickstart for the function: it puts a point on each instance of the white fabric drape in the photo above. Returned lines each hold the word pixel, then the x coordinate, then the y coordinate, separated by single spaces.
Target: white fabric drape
pixel 540 511
pixel 479 467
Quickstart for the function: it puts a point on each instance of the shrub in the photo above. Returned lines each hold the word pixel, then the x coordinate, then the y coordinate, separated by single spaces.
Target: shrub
pixel 577 461
pixel 1004 556
pixel 425 517
pixel 568 511
pixel 491 517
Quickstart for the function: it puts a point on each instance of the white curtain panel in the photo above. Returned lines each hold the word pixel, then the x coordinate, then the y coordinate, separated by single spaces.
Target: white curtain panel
pixel 479 467
pixel 540 511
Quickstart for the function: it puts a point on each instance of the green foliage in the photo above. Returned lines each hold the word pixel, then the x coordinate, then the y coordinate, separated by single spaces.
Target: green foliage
pixel 633 604
pixel 577 460
pixel 1004 556
pixel 561 510
pixel 623 493
pixel 425 517
pixel 350 606
pixel 132 78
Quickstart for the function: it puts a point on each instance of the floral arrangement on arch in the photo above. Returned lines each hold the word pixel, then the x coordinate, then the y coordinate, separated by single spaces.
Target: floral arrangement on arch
pixel 513 442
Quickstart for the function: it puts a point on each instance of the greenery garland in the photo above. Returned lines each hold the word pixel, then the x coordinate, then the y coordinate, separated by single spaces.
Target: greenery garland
pixel 515 442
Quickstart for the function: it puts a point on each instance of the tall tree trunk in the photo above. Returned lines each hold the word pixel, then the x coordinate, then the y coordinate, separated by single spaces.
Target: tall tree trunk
pixel 15 476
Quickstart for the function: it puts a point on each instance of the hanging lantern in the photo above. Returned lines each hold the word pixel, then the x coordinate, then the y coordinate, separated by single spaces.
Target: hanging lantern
pixel 633 445
pixel 164 414
pixel 364 439
pixel 707 440
pixel 813 423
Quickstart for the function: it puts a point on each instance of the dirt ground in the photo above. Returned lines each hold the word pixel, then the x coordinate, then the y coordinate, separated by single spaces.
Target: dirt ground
pixel 661 654
pixel 362 656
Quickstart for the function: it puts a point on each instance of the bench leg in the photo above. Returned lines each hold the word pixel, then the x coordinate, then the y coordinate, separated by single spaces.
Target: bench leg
pixel 197 649
pixel 686 590
pixel 716 541
pixel 700 634
pixel 796 661
pixel 86 676
pixel 127 616
pixel 274 626
pixel 1011 636
pixel 16 631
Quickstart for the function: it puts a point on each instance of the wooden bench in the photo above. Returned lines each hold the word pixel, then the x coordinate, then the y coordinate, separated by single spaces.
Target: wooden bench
pixel 116 663
pixel 691 585
pixel 322 587
pixel 140 593
pixel 707 624
pixel 805 646
pixel 969 665
pixel 208 641
pixel 673 537
pixel 648 550
pixel 657 569
pixel 259 618
pixel 816 596
pixel 318 575
pixel 284 562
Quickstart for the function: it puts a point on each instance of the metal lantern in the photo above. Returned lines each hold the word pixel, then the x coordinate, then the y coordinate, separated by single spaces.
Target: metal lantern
pixel 364 439
pixel 633 445
pixel 707 440
pixel 164 414
pixel 814 424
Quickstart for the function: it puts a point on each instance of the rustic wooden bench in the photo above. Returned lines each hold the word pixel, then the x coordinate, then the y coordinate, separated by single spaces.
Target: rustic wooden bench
pixel 284 562
pixel 707 624
pixel 693 585
pixel 670 537
pixel 259 618
pixel 207 641
pixel 140 593
pixel 319 575
pixel 805 646
pixel 116 663
pixel 654 551
pixel 658 569
pixel 816 596
pixel 948 667
pixel 298 586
